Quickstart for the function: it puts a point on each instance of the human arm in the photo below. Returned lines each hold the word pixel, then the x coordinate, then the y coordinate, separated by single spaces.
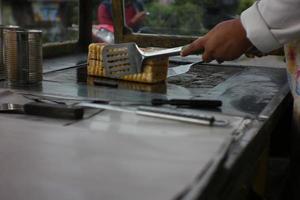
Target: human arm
pixel 137 19
pixel 267 24
pixel 226 41
pixel 272 23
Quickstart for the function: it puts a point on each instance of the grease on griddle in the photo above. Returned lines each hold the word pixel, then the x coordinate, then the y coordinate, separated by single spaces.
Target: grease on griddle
pixel 204 76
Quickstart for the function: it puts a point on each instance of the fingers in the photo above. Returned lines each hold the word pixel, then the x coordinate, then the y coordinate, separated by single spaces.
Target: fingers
pixel 209 53
pixel 226 41
pixel 193 47
pixel 207 56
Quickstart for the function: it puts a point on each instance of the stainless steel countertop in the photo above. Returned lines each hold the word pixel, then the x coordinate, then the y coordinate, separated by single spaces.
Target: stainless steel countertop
pixel 112 155
pixel 117 155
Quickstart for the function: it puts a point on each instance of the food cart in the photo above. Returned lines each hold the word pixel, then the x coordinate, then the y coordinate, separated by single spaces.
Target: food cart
pixel 115 152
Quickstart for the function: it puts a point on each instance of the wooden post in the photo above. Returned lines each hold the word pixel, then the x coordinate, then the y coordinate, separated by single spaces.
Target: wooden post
pixel 85 24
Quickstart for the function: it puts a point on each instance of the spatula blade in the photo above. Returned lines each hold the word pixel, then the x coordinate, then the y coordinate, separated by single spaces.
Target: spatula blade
pixel 122 59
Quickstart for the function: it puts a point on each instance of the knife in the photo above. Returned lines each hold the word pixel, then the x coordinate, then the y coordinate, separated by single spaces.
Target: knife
pixel 76 111
pixel 187 103
pixel 44 109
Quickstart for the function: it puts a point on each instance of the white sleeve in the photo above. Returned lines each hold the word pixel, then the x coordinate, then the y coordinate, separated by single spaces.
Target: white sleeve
pixel 271 23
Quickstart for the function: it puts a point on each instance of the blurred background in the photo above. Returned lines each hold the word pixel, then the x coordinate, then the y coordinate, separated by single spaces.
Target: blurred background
pixel 59 18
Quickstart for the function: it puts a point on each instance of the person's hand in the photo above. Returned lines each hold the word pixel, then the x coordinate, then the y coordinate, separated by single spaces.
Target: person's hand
pixel 138 18
pixel 226 41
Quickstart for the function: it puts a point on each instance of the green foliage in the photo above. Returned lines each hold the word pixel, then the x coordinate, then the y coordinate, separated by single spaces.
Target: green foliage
pixel 182 17
pixel 160 14
pixel 186 17
pixel 189 22
pixel 181 2
pixel 244 4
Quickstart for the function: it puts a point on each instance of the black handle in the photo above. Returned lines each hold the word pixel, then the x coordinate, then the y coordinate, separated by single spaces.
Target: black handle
pixel 107 83
pixel 53 110
pixel 193 103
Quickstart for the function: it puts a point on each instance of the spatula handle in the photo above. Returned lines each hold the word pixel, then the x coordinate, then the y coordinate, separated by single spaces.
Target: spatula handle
pixel 169 52
pixel 165 52
pixel 53 110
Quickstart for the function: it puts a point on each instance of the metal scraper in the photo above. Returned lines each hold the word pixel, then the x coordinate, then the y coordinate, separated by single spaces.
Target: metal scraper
pixel 127 58
pixel 44 109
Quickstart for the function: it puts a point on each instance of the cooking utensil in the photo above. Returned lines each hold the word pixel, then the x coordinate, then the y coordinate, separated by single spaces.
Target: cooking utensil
pixel 181 69
pixel 150 111
pixel 180 115
pixel 187 103
pixel 163 113
pixel 44 109
pixel 191 103
pixel 176 115
pixel 126 58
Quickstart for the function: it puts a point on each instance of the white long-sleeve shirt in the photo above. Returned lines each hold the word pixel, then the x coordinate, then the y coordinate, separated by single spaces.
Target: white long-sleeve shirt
pixel 272 23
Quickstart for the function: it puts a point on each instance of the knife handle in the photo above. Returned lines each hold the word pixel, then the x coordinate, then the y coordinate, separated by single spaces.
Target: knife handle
pixel 192 103
pixel 53 110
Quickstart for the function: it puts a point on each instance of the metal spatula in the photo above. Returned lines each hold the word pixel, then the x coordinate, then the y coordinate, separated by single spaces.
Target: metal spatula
pixel 127 58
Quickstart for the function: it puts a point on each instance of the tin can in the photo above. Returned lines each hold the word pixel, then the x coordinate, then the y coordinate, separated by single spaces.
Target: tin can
pixel 23 56
pixel 2 67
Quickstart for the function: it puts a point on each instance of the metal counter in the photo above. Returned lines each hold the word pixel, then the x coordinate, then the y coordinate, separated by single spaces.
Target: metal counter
pixel 119 155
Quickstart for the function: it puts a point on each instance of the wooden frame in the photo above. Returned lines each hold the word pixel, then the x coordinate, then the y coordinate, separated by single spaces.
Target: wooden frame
pixel 84 39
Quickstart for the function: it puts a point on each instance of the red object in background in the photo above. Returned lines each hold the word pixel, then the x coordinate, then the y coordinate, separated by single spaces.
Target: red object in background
pixel 104 32
pixel 104 15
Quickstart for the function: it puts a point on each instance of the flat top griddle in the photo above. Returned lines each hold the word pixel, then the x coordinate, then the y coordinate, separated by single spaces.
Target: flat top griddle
pixel 244 90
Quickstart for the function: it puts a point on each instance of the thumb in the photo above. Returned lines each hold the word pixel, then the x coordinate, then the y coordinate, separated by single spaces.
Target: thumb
pixel 193 47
